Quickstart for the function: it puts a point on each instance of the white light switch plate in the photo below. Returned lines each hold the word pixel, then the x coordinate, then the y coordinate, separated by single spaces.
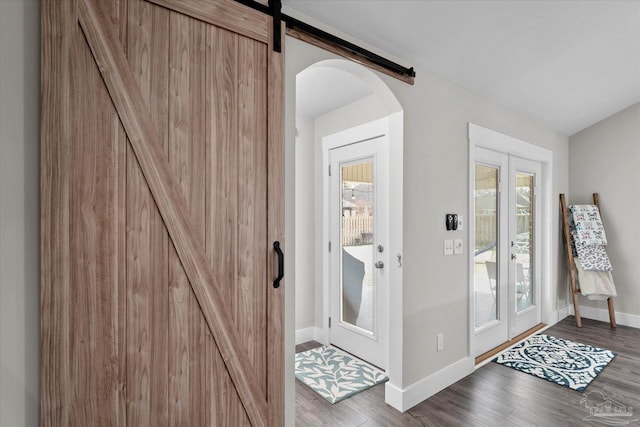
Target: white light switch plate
pixel 448 247
pixel 457 246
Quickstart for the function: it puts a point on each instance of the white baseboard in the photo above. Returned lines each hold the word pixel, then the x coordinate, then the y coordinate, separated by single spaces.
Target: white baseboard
pixel 393 396
pixel 563 312
pixel 602 314
pixel 304 335
pixel 310 334
pixel 321 336
pixel 402 400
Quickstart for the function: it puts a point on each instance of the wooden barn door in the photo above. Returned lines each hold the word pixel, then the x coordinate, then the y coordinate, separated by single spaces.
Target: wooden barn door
pixel 162 195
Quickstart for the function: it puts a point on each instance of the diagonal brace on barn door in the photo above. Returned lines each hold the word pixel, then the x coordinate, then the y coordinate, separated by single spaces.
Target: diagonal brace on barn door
pixel 146 143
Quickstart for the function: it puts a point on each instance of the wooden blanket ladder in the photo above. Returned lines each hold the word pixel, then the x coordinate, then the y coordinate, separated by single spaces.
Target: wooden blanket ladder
pixel 575 290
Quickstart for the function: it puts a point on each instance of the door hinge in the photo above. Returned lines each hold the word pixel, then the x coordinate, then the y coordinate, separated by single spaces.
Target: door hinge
pixel 329 245
pixel 329 170
pixel 329 321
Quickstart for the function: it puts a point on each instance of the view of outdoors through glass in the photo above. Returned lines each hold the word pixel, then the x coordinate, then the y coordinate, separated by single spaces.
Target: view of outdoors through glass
pixel 524 236
pixel 486 236
pixel 357 238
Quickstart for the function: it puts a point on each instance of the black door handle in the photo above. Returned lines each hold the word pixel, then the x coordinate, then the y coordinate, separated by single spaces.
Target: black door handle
pixel 276 247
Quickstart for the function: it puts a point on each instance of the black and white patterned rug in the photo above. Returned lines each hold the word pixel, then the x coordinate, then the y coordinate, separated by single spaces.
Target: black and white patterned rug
pixel 563 362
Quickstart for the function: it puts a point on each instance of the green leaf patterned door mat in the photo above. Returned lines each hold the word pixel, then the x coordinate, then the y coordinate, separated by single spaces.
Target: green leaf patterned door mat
pixel 334 374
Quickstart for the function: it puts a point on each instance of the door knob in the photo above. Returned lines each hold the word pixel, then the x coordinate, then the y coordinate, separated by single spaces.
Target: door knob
pixel 379 264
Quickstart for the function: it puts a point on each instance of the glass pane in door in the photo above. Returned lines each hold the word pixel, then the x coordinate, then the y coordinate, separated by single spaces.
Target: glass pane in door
pixel 486 238
pixel 357 286
pixel 524 240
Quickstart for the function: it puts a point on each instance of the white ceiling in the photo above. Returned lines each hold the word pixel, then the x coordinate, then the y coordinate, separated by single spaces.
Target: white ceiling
pixel 323 89
pixel 568 64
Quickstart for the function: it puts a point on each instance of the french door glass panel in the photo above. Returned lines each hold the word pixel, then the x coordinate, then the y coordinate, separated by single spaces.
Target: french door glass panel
pixel 490 275
pixel 486 258
pixel 524 238
pixel 358 294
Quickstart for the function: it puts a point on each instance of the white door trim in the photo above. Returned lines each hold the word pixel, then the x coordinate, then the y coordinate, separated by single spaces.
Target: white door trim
pixel 351 136
pixel 486 138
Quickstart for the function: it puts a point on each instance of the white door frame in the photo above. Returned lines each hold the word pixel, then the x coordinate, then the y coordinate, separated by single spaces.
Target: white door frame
pixel 486 138
pixel 353 135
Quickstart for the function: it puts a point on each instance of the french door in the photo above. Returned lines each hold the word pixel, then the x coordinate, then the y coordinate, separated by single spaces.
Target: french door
pixel 506 276
pixel 358 280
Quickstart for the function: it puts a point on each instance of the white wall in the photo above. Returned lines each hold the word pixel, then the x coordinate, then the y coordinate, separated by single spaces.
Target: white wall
pixel 605 159
pixel 19 212
pixel 435 288
pixel 304 226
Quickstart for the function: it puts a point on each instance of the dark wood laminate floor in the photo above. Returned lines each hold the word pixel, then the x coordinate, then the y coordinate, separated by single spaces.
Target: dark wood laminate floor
pixel 495 395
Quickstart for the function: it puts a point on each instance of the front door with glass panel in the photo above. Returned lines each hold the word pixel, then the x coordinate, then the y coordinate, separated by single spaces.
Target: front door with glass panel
pixel 357 206
pixel 505 272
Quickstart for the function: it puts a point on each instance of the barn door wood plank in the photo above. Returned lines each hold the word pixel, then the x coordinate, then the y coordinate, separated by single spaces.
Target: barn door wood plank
pixel 147 241
pixel 167 193
pixel 275 231
pixel 119 12
pixel 222 158
pixel 94 258
pixel 227 14
pixel 58 29
pixel 187 144
pixel 222 204
pixel 252 195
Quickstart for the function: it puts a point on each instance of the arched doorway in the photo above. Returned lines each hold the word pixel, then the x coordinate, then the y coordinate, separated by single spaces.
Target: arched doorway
pixel 335 97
